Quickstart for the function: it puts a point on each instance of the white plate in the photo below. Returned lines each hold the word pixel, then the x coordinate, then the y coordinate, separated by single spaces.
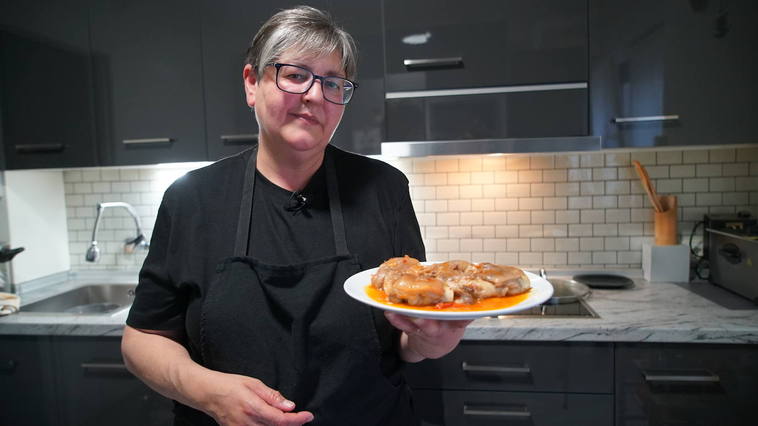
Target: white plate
pixel 355 287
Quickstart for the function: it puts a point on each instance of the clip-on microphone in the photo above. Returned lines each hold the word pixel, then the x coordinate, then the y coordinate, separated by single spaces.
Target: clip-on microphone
pixel 297 202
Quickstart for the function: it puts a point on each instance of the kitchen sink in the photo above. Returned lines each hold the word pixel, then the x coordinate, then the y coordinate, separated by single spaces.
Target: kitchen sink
pixel 93 299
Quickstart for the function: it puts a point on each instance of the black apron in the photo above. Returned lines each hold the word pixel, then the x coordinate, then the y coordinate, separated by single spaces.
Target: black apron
pixel 294 328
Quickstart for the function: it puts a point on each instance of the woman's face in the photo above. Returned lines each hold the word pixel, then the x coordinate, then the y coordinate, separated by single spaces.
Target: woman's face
pixel 301 122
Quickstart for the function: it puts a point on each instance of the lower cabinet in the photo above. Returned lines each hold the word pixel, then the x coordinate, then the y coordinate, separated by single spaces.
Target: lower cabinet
pixel 73 381
pixel 27 394
pixel 95 387
pixel 685 384
pixel 488 383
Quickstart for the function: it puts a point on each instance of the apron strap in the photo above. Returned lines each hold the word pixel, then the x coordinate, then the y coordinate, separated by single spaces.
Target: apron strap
pixel 246 207
pixel 242 240
pixel 335 205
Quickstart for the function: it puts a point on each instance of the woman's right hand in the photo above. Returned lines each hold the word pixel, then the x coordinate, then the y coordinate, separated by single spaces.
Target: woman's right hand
pixel 234 400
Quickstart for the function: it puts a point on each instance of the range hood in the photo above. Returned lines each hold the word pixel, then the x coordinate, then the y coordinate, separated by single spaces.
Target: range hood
pixel 490 146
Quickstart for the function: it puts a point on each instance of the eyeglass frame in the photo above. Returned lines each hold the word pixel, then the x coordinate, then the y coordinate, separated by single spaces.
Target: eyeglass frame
pixel 279 65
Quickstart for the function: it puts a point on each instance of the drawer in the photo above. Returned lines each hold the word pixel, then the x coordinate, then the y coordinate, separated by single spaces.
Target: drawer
pixel 518 366
pixel 478 408
pixel 552 113
pixel 686 384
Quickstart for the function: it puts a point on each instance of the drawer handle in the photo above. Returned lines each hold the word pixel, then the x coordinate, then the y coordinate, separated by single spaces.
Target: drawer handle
pixel 39 148
pixel 672 117
pixel 653 377
pixel 104 367
pixel 431 63
pixel 512 414
pixel 146 141
pixel 498 369
pixel 8 366
pixel 239 139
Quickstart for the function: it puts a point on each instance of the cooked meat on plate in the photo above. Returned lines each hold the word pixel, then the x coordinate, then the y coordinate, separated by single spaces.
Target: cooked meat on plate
pixel 406 280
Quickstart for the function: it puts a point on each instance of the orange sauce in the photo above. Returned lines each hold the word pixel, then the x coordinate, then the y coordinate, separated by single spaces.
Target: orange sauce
pixel 482 305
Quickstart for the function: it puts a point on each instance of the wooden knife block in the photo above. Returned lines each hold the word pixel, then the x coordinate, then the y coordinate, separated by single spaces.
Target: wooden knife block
pixel 666 222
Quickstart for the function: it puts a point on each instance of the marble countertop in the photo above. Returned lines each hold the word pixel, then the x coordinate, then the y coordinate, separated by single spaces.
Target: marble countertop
pixel 696 312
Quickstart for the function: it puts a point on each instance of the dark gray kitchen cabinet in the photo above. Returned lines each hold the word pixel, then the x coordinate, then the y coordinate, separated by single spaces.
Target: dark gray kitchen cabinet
pixel 228 26
pixel 27 378
pixel 46 85
pixel 487 383
pixel 227 29
pixel 148 73
pixel 96 389
pixel 673 73
pixel 681 384
pixel 485 69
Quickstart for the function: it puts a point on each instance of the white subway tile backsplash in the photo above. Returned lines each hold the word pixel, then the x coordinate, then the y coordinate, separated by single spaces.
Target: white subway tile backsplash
pixel 708 170
pixel 471 191
pixel 564 209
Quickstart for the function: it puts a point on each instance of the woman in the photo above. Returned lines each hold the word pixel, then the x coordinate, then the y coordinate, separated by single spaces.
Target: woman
pixel 239 314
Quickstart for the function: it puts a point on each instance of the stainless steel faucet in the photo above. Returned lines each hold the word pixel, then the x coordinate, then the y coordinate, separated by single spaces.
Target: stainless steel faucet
pixel 93 252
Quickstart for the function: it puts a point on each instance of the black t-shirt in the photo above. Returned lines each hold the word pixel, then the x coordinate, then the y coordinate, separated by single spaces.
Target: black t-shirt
pixel 196 227
pixel 285 230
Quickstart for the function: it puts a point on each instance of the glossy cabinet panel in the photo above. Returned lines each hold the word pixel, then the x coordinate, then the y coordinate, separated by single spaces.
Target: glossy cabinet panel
pixel 509 115
pixel 27 381
pixel 46 86
pixel 662 384
pixel 229 25
pixel 492 42
pixel 673 73
pixel 147 62
pixel 96 388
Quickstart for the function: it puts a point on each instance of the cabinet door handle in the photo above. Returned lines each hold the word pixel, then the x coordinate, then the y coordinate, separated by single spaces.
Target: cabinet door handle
pixel 39 148
pixel 497 369
pixel 511 414
pixel 418 64
pixel 239 139
pixel 104 367
pixel 8 366
pixel 672 117
pixel 146 141
pixel 700 376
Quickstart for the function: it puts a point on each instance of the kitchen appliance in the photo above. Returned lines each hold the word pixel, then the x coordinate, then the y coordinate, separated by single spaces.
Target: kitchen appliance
pixel 730 243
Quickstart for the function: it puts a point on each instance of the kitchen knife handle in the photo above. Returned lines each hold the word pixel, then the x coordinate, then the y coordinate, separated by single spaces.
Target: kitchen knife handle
pixel 239 139
pixel 523 414
pixel 694 377
pixel 39 148
pixel 104 367
pixel 671 117
pixel 146 141
pixel 496 369
pixel 433 63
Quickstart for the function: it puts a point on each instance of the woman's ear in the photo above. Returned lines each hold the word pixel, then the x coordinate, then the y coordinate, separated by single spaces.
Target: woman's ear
pixel 250 79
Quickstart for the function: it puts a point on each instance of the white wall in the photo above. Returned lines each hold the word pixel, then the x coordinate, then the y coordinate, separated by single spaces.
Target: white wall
pixel 36 206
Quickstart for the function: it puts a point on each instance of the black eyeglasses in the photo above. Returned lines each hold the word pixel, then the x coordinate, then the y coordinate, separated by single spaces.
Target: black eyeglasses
pixel 297 80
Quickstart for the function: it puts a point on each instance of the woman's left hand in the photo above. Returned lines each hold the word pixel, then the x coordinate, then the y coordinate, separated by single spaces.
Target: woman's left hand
pixel 426 338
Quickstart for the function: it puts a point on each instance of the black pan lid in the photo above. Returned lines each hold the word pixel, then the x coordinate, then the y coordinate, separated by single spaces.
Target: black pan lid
pixel 604 280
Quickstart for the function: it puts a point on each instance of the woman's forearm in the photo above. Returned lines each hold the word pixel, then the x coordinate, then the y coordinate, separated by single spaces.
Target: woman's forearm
pixel 164 365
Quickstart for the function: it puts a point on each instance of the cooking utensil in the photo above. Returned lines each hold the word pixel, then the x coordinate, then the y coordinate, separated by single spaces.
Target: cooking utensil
pixel 648 186
pixel 604 281
pixel 565 291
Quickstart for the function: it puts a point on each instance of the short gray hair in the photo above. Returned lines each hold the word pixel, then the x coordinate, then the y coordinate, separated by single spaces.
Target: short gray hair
pixel 313 31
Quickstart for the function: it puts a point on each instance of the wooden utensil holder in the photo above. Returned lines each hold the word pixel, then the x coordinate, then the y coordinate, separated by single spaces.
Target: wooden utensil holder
pixel 666 222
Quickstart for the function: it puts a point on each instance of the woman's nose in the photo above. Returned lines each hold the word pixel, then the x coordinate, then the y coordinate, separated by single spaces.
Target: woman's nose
pixel 315 93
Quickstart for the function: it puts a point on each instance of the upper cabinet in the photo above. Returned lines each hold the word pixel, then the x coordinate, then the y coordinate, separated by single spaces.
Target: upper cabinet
pixel 674 72
pixel 46 96
pixel 227 28
pixel 452 44
pixel 485 69
pixel 148 73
